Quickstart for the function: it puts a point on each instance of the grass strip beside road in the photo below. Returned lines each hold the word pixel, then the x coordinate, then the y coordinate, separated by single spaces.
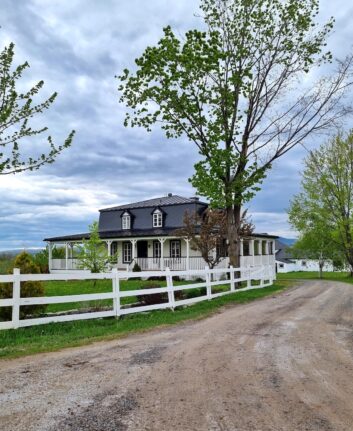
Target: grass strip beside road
pixel 55 336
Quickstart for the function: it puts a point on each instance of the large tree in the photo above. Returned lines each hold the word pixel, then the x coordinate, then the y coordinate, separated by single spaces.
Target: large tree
pixel 323 211
pixel 16 110
pixel 236 90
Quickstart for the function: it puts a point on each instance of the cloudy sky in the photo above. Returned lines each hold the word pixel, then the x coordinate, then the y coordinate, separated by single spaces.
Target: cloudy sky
pixel 77 47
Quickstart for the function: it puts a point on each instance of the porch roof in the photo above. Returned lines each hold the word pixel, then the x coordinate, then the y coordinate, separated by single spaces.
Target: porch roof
pixel 136 233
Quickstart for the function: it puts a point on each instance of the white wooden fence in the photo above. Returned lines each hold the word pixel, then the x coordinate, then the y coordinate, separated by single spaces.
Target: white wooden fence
pixel 263 274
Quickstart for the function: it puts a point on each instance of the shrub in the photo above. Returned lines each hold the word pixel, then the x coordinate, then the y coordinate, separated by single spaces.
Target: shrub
pixel 28 288
pixel 136 268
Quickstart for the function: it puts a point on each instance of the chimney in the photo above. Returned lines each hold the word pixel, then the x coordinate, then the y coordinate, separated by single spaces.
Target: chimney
pixel 194 198
pixel 170 195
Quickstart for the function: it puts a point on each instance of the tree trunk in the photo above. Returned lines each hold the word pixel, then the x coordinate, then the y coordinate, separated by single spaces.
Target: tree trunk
pixel 321 264
pixel 233 229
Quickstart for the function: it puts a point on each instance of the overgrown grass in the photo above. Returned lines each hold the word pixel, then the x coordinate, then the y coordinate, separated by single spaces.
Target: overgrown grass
pixel 303 275
pixel 55 336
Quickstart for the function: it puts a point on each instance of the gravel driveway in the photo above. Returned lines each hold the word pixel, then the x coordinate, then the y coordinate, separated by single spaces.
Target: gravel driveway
pixel 281 363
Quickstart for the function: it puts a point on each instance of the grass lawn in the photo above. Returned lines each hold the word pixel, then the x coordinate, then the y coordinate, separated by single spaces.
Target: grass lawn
pixel 55 336
pixel 302 275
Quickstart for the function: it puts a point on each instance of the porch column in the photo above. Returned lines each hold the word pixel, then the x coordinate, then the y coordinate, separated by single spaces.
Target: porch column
pixel 66 255
pixel 133 242
pixel 109 245
pixel 252 250
pixel 162 241
pixel 50 256
pixel 187 253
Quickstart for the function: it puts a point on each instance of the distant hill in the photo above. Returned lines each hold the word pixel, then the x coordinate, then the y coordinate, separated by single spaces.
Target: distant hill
pixel 16 251
pixel 288 241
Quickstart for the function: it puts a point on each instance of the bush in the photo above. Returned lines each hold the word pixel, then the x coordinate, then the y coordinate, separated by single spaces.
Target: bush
pixel 41 259
pixel 28 288
pixel 136 268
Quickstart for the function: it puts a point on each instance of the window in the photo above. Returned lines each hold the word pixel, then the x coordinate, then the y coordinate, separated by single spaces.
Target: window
pixel 157 219
pixel 175 248
pixel 156 249
pixel 127 252
pixel 304 263
pixel 270 247
pixel 263 249
pixel 222 248
pixel 281 265
pixel 114 248
pixel 126 221
pixel 256 248
pixel 246 248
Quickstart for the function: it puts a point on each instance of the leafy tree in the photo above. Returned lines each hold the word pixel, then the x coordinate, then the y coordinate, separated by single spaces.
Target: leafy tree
pixel 93 253
pixel 323 211
pixel 29 289
pixel 207 233
pixel 16 110
pixel 232 90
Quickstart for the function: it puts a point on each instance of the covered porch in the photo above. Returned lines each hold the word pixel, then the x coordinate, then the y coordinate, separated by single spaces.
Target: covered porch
pixel 159 253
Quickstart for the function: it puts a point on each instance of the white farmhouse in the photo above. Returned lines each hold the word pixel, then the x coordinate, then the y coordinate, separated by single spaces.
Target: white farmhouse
pixel 144 233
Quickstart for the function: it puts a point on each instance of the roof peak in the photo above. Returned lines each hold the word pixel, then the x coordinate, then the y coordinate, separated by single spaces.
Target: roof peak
pixel 169 199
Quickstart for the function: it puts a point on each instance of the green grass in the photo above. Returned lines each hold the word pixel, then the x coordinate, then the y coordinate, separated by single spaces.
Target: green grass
pixel 303 275
pixel 55 336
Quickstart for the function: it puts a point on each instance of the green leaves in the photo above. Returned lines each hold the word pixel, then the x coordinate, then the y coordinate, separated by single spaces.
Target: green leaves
pixel 16 111
pixel 323 211
pixel 221 88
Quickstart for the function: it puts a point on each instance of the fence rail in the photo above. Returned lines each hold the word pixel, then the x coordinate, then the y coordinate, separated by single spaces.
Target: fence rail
pixel 264 274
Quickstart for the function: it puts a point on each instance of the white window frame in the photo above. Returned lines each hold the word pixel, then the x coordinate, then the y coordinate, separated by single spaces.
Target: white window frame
pixel 157 250
pixel 126 221
pixel 157 218
pixel 175 248
pixel 127 252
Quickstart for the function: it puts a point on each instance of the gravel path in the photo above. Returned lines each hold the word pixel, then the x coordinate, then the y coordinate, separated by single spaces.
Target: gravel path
pixel 281 363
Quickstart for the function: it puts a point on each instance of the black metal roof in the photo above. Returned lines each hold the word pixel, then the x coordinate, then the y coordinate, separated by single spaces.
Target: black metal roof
pixel 134 233
pixel 155 202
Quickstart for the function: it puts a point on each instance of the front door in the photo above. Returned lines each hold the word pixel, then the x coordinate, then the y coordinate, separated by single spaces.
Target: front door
pixel 142 248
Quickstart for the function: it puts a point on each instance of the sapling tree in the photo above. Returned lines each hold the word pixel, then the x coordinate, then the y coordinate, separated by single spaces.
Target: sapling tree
pixel 207 233
pixel 93 254
pixel 234 88
pixel 16 110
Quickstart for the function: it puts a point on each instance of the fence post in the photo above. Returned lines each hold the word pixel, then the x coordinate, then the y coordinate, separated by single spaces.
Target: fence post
pixel 16 296
pixel 208 282
pixel 170 288
pixel 116 291
pixel 248 282
pixel 232 280
pixel 262 276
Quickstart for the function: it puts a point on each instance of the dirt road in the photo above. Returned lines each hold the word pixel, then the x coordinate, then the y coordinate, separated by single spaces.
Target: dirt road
pixel 282 363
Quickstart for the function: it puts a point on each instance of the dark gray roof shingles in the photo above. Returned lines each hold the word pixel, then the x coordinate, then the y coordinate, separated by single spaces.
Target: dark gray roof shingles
pixel 155 202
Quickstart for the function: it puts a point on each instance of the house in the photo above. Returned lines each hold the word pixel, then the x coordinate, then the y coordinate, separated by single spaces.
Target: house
pixel 285 262
pixel 144 233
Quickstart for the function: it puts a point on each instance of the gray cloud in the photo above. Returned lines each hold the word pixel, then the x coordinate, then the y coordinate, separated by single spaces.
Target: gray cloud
pixel 78 47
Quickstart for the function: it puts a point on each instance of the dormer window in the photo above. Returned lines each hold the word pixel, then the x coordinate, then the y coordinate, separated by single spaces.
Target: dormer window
pixel 157 218
pixel 126 221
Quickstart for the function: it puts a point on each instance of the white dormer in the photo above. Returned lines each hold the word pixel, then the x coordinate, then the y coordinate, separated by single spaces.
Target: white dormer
pixel 126 221
pixel 157 218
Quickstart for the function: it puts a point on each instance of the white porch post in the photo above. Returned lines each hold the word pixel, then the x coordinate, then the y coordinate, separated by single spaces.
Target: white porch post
pixel 66 255
pixel 252 250
pixel 241 252
pixel 50 256
pixel 162 240
pixel 133 242
pixel 187 253
pixel 109 245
